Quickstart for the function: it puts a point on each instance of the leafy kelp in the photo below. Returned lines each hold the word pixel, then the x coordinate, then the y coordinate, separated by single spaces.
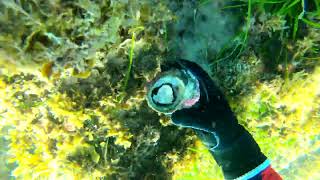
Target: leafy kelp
pixel 73 76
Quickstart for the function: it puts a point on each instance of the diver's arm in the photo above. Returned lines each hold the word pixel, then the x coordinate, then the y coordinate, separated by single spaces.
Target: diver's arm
pixel 268 174
pixel 241 159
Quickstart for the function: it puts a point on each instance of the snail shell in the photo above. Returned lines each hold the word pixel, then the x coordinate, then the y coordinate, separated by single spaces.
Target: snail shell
pixel 173 90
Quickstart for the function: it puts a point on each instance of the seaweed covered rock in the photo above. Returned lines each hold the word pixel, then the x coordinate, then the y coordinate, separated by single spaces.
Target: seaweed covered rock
pixel 73 76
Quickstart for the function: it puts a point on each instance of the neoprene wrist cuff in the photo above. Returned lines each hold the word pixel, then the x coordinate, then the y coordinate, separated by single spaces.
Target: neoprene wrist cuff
pixel 242 156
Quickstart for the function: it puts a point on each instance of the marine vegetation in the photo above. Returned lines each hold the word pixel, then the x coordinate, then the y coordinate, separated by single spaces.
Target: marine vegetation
pixel 73 78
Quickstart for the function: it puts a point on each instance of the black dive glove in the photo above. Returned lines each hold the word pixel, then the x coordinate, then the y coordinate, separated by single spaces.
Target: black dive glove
pixel 233 148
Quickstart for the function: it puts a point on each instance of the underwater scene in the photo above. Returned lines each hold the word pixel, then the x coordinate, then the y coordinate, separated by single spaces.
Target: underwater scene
pixel 85 92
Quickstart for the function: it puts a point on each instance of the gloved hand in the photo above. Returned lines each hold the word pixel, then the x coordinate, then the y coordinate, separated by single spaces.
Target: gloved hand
pixel 212 114
pixel 231 145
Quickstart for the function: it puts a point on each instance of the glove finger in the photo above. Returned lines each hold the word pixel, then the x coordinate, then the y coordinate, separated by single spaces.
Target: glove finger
pixel 181 118
pixel 195 69
pixel 190 118
pixel 209 90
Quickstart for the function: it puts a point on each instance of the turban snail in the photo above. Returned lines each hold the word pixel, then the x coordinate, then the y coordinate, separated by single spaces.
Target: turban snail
pixel 173 90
